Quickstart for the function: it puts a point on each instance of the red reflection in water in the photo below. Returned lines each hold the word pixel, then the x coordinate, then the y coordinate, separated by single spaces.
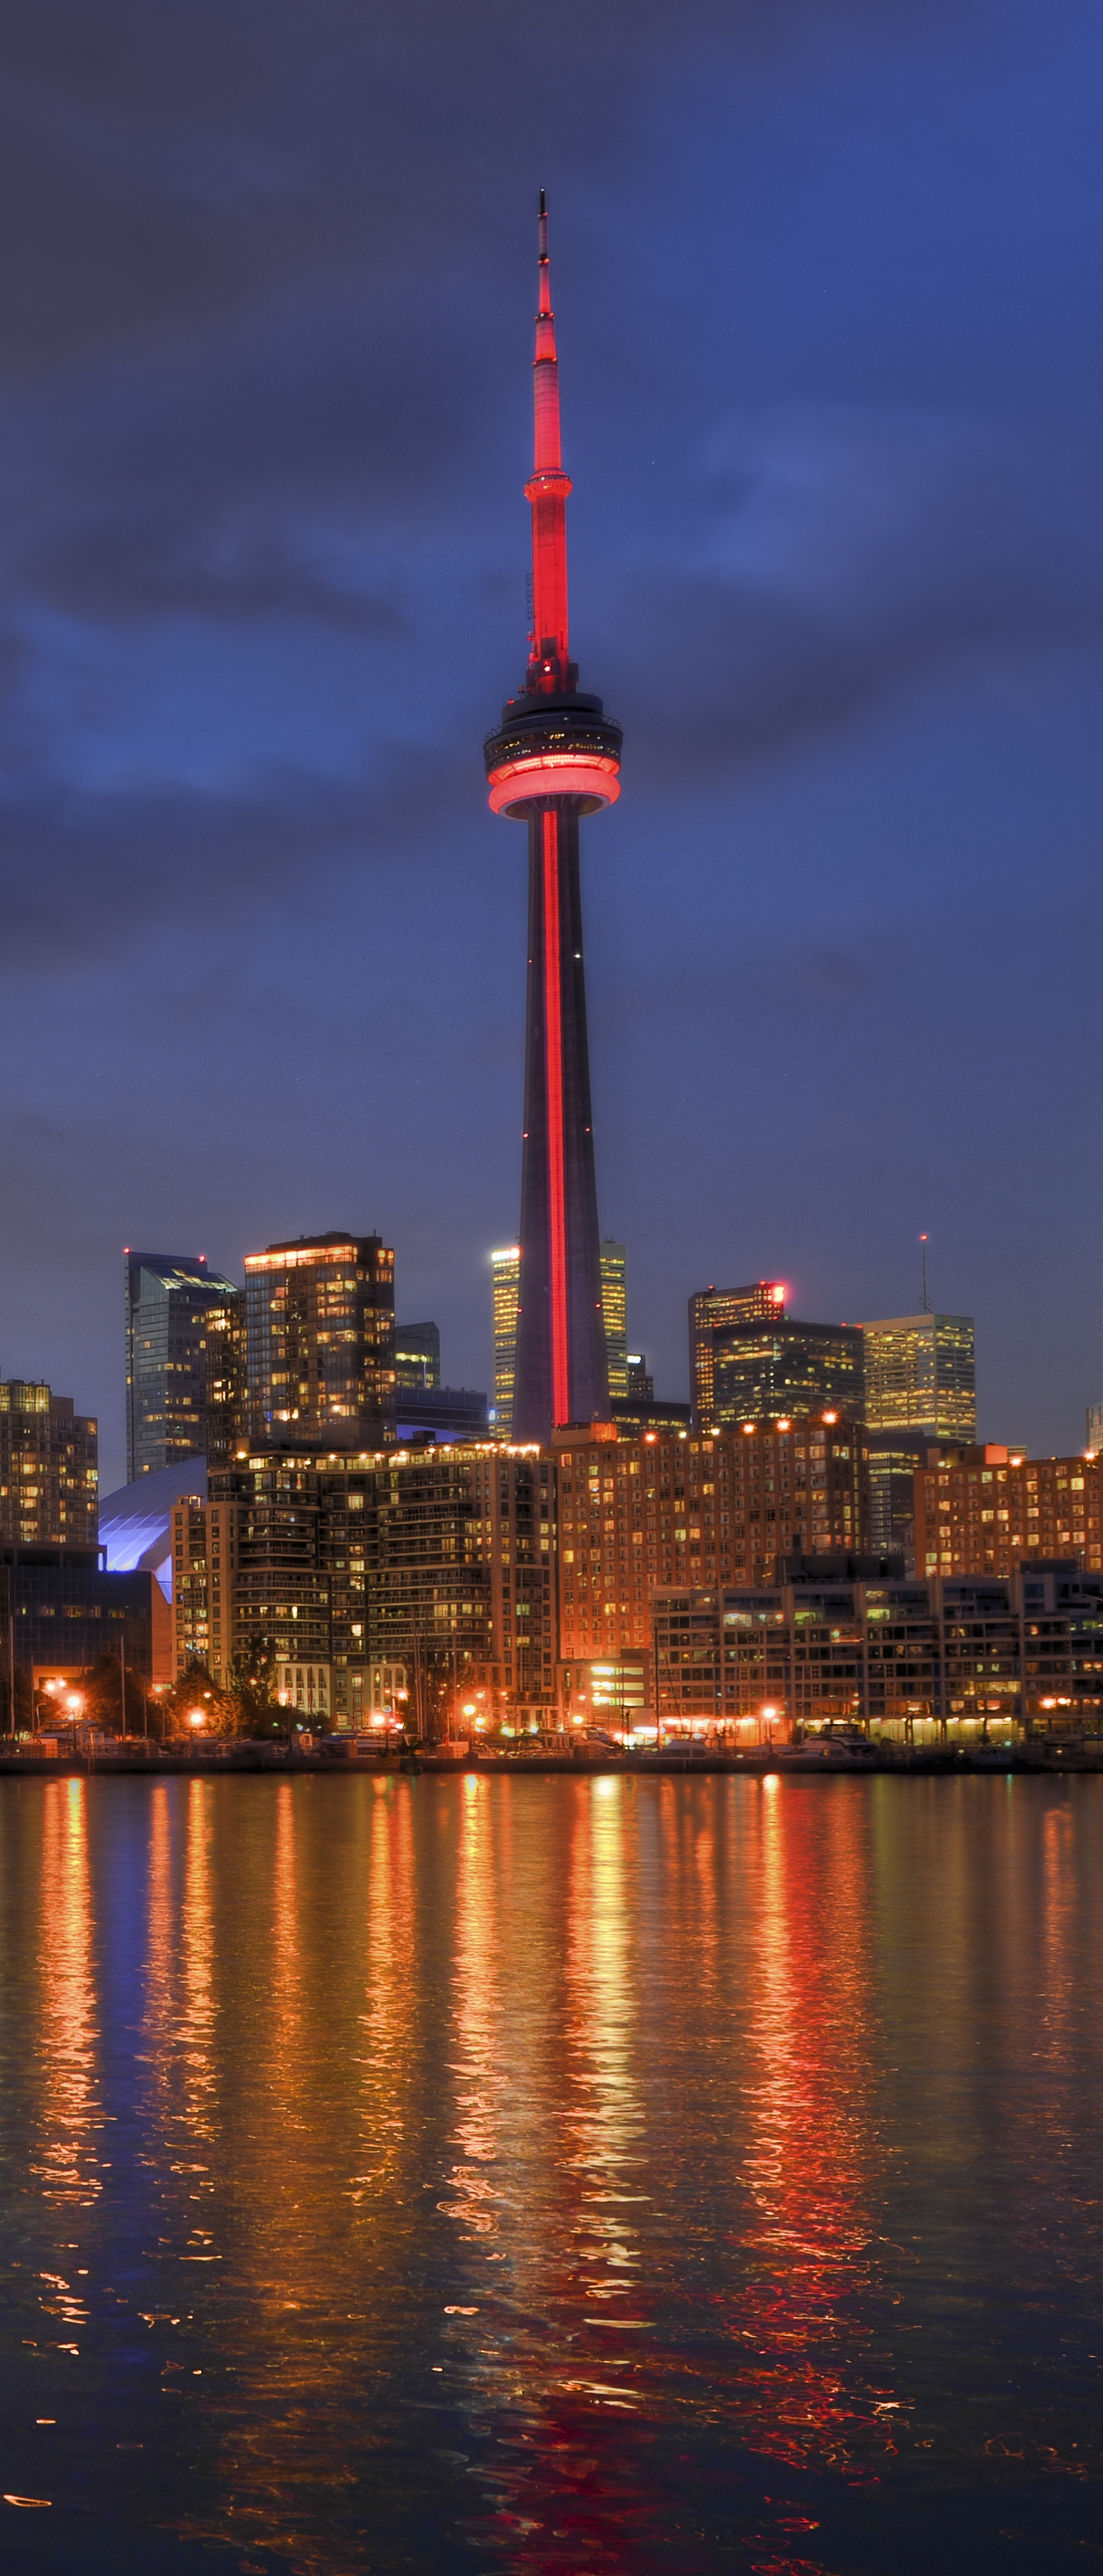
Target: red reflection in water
pixel 808 2165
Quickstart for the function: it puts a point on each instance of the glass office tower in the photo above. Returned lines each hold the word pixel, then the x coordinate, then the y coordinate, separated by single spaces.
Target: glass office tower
pixel 169 1297
pixel 921 1389
pixel 614 1308
pixel 506 1277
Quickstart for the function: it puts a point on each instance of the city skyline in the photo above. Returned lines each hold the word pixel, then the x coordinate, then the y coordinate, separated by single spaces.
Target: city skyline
pixel 837 563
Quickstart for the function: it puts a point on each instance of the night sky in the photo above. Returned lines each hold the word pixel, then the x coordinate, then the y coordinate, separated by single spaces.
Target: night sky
pixel 827 282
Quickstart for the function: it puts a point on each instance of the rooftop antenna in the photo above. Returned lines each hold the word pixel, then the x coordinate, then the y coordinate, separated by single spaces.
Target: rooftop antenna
pixel 926 1299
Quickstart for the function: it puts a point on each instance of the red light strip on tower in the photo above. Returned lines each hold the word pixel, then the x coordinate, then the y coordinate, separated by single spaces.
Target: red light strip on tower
pixel 547 490
pixel 553 1047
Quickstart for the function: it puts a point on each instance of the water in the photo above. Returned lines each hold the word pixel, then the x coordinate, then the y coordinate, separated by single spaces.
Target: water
pixel 536 2175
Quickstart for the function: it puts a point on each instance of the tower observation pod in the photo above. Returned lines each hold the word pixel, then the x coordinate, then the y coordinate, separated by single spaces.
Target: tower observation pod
pixel 555 757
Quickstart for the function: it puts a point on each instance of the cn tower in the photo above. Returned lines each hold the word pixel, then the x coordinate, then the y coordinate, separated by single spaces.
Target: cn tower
pixel 554 757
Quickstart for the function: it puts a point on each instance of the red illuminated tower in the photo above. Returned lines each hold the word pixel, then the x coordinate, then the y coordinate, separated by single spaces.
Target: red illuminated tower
pixel 553 758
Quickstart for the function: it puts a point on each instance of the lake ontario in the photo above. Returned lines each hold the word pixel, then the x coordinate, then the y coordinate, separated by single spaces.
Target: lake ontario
pixel 532 2174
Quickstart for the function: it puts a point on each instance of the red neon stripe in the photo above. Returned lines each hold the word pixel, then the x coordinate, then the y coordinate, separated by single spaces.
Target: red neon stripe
pixel 553 1042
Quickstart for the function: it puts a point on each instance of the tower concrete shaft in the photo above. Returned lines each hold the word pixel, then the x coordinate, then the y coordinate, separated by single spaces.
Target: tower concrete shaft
pixel 554 758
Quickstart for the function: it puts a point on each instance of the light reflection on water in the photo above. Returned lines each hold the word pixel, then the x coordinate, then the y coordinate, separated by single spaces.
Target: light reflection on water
pixel 544 2174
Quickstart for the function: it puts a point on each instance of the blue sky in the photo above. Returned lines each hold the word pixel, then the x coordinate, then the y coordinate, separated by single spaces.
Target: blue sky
pixel 828 283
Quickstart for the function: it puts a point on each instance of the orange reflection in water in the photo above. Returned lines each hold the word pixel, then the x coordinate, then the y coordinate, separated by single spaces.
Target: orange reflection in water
pixel 68 2044
pixel 809 2161
pixel 479 2065
pixel 389 1998
pixel 566 2198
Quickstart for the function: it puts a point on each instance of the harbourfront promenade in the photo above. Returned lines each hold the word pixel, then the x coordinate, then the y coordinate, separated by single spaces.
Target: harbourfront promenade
pixel 819 1756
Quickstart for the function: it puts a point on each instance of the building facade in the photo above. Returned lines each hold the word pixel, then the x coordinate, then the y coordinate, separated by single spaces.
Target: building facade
pixel 170 1299
pixel 1095 1429
pixel 717 1310
pixel 49 1477
pixel 639 1513
pixel 614 1312
pixel 60 1614
pixel 439 1560
pixel 553 759
pixel 319 1342
pixel 920 1391
pixel 416 1358
pixel 920 1375
pixel 891 1655
pixel 761 1370
pixel 505 1287
pixel 987 1510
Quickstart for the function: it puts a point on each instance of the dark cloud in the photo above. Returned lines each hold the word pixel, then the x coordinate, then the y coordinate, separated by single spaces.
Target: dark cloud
pixel 83 872
pixel 160 169
pixel 862 556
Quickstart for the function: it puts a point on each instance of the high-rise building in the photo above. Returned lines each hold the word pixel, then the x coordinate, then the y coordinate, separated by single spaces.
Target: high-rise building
pixel 763 1370
pixel 416 1356
pixel 713 1310
pixel 506 1283
pixel 920 1380
pixel 320 1363
pixel 986 1510
pixel 920 1375
pixel 169 1297
pixel 440 1561
pixel 614 1312
pixel 48 1473
pixel 641 1384
pixel 636 1512
pixel 554 758
pixel 1095 1429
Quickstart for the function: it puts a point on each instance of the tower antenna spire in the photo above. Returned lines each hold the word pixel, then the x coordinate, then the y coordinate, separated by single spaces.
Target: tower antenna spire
pixel 926 1299
pixel 550 667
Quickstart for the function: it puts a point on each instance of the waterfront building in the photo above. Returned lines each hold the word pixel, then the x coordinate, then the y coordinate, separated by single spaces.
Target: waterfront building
pixel 920 1390
pixel 319 1360
pixel 440 1560
pixel 614 1311
pixel 713 1310
pixel 416 1358
pixel 461 1556
pixel 554 758
pixel 49 1476
pixel 858 1645
pixel 170 1300
pixel 506 1282
pixel 639 1512
pixel 986 1509
pixel 61 1613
